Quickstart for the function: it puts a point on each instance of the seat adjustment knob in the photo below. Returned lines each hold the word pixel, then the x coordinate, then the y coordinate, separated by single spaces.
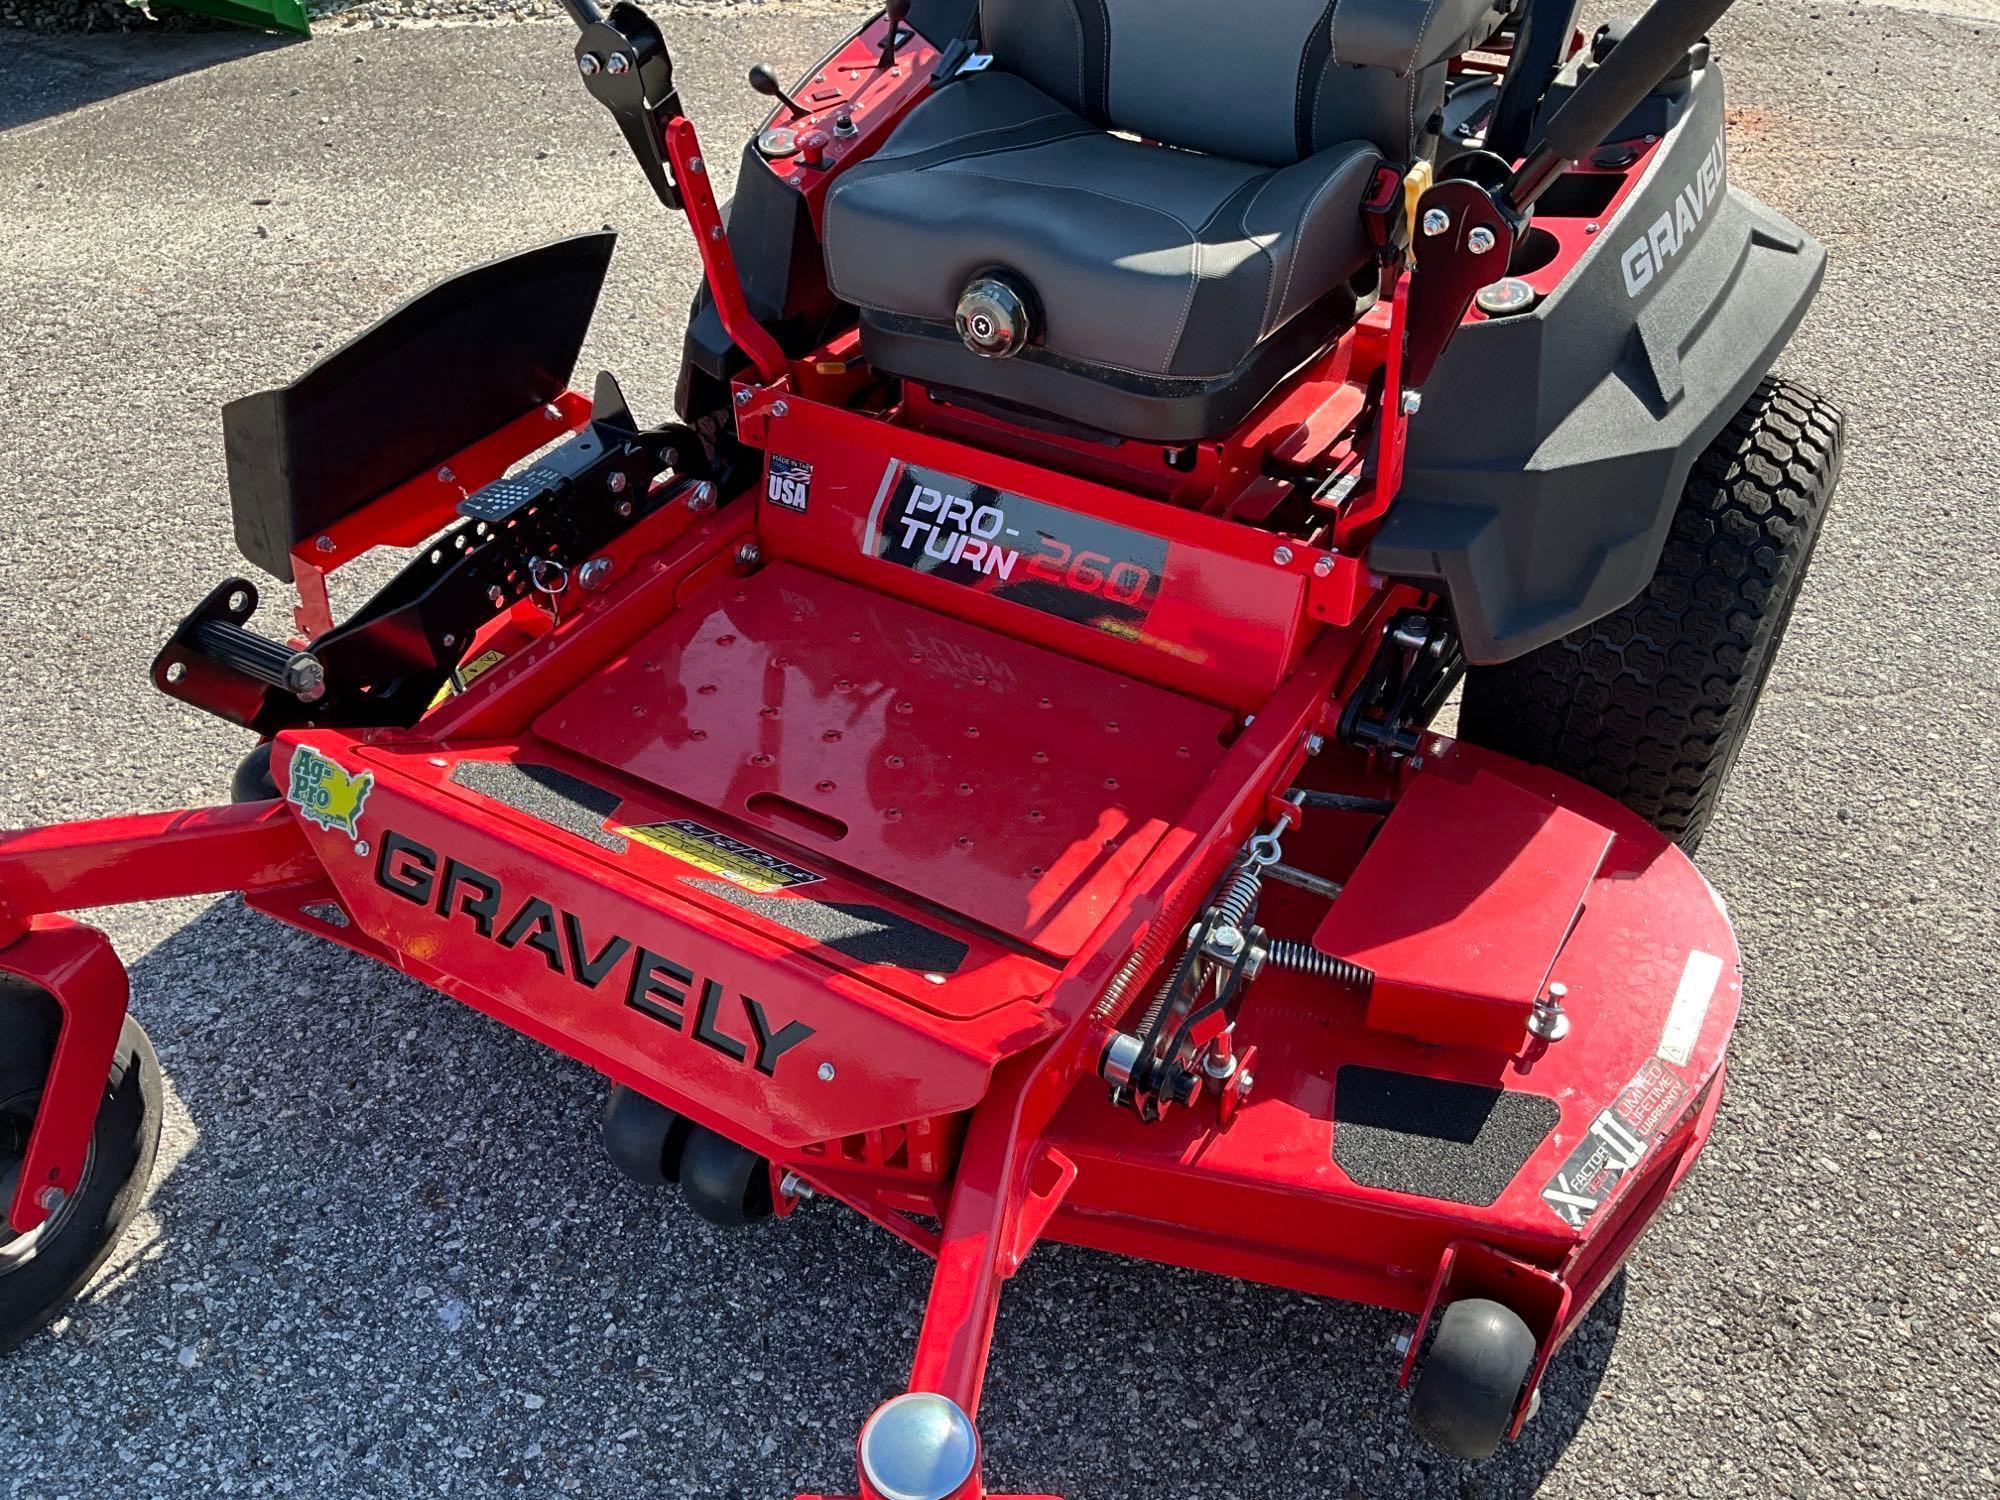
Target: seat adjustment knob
pixel 993 317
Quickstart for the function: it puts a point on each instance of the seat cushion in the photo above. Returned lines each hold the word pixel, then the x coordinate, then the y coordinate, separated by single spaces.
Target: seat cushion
pixel 1144 260
pixel 1259 80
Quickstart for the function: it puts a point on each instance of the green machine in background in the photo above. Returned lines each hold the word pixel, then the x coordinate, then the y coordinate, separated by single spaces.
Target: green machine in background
pixel 270 15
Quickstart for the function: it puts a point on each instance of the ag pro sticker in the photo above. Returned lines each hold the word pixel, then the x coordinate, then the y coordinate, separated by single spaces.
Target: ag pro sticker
pixel 325 793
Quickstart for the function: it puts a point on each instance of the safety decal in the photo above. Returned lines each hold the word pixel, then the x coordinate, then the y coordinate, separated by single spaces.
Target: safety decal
pixel 326 794
pixel 789 483
pixel 742 864
pixel 468 674
pixel 1616 1142
pixel 1056 561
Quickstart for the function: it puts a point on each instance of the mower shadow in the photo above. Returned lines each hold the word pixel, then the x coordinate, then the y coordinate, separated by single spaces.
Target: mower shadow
pixel 370 1165
pixel 42 76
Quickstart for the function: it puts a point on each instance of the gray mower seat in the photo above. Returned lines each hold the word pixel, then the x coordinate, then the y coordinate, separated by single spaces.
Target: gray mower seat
pixel 1171 286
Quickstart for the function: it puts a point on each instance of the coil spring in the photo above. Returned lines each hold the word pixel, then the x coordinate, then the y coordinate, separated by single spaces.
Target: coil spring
pixel 1239 897
pixel 1303 958
pixel 1157 1004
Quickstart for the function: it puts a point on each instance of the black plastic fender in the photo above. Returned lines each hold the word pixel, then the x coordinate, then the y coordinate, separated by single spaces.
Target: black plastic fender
pixel 1551 448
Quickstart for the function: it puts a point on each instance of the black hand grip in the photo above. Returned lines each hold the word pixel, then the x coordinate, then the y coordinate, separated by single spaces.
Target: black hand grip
pixel 270 662
pixel 1612 90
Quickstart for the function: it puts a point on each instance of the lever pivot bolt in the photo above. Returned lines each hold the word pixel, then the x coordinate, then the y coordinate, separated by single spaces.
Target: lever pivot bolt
pixel 587 65
pixel 1479 240
pixel 1436 221
pixel 617 62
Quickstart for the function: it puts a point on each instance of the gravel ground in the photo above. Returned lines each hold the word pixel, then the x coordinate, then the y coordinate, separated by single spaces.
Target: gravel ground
pixel 384 1253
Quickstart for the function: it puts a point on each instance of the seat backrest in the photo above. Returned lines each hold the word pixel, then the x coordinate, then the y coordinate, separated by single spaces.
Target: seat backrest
pixel 1256 80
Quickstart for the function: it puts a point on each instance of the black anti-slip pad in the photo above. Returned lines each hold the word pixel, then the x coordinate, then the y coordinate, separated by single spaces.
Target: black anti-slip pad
pixel 866 934
pixel 1460 1142
pixel 556 797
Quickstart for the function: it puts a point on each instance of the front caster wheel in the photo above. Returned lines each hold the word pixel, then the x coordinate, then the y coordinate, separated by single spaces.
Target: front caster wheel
pixel 1465 1393
pixel 644 1137
pixel 723 1182
pixel 40 1271
pixel 253 779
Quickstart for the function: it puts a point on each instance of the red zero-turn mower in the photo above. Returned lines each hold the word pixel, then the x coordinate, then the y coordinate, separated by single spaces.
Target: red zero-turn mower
pixel 975 763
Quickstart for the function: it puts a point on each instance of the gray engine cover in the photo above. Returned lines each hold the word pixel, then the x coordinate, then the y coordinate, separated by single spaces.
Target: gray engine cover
pixel 1546 463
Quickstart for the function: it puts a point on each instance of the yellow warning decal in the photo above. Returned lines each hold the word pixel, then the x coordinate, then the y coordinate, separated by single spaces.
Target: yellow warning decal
pixel 468 674
pixel 735 861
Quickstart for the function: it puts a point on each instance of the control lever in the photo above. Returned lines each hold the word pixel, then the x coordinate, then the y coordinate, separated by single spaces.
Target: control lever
pixel 764 79
pixel 898 11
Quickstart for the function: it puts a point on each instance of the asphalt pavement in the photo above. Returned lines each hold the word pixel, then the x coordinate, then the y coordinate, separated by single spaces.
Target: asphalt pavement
pixel 385 1254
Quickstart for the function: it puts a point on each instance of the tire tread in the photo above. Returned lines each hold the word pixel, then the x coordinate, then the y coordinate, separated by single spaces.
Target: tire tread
pixel 1651 703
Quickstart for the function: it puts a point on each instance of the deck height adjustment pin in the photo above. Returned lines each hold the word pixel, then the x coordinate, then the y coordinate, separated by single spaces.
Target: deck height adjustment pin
pixel 1547 1021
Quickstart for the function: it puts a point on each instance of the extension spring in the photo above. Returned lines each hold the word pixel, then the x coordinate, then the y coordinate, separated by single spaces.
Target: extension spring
pixel 1303 958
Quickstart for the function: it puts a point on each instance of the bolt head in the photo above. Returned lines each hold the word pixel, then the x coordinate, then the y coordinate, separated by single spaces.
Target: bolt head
pixel 1413 402
pixel 1323 567
pixel 826 1072
pixel 702 497
pixel 616 483
pixel 1480 240
pixel 696 165
pixel 743 397
pixel 587 65
pixel 51 1199
pixel 617 62
pixel 1436 221
pixel 324 544
pixel 1245 1081
pixel 445 476
pixel 1315 743
pixel 595 573
pixel 749 554
pixel 1402 1343
pixel 794 1186
pixel 780 408
pixel 1281 555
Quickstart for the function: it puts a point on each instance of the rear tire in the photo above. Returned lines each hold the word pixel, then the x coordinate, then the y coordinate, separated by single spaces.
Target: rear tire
pixel 1465 1393
pixel 1652 703
pixel 42 1271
